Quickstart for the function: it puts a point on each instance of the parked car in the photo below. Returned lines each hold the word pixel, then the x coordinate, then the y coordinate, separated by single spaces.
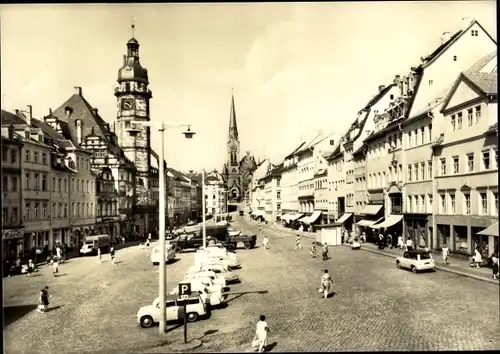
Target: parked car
pixel 203 258
pixel 355 244
pixel 149 315
pixel 210 297
pixel 169 254
pixel 217 277
pixel 233 232
pixel 207 277
pixel 218 269
pixel 217 251
pixel 416 260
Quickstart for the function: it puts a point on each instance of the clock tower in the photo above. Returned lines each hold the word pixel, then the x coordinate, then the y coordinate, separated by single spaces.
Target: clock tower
pixel 133 97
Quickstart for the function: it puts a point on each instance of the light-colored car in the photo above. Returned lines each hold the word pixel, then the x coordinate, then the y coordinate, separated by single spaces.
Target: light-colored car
pixel 212 297
pixel 207 278
pixel 416 260
pixel 355 244
pixel 169 254
pixel 203 258
pixel 217 268
pixel 149 315
pixel 233 232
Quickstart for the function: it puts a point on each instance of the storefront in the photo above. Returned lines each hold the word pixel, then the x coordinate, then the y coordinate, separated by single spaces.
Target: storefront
pixel 417 227
pixel 487 240
pixel 370 215
pixel 12 243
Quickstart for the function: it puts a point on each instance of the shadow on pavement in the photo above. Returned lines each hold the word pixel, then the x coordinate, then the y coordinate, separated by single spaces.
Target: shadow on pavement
pixel 271 346
pixel 50 309
pixel 262 292
pixel 174 327
pixel 14 313
pixel 175 260
pixel 61 275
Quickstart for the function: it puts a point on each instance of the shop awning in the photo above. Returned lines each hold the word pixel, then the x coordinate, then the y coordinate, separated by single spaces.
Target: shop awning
pixel 315 215
pixel 285 217
pixel 391 220
pixel 258 213
pixel 371 209
pixel 304 219
pixel 295 217
pixel 343 218
pixel 368 223
pixel 491 230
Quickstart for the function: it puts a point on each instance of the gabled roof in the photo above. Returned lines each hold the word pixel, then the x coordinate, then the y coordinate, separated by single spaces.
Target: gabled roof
pixel 359 150
pixel 379 95
pixel 443 47
pixel 484 82
pixel 296 149
pixel 11 119
pixel 81 110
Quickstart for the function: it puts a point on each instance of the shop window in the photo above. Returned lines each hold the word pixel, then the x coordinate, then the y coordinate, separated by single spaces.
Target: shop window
pixel 460 236
pixel 480 242
pixel 444 235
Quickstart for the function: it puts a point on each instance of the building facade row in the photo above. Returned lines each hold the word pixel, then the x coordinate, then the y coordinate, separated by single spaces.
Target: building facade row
pixel 419 160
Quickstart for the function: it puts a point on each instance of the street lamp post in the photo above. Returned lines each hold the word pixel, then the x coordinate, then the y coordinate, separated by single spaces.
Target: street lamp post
pixel 203 209
pixel 161 210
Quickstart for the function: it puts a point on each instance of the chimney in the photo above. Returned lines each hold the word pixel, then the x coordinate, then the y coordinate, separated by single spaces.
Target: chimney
pixel 445 37
pixel 29 114
pixel 397 78
pixel 78 124
pixel 78 90
pixel 11 132
pixel 381 88
pixel 95 111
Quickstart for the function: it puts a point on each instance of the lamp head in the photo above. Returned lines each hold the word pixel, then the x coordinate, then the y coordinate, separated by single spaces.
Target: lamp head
pixel 188 133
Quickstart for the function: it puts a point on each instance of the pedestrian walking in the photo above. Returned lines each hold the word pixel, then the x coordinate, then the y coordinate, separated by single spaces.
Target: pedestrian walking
pixel 147 243
pixel 297 243
pixel 325 251
pixel 55 267
pixel 265 241
pixel 400 242
pixel 389 240
pixel 99 254
pixel 313 250
pixel 380 240
pixel 261 333
pixel 112 254
pixel 445 252
pixel 43 300
pixel 326 283
pixel 409 244
pixel 363 237
pixel 31 267
pixel 494 261
pixel 478 259
pixel 123 239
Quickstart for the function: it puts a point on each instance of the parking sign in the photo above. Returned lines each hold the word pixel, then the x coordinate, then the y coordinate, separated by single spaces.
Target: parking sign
pixel 184 290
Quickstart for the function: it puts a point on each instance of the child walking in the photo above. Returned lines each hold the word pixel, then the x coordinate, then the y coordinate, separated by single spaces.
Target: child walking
pixel 297 243
pixel 265 241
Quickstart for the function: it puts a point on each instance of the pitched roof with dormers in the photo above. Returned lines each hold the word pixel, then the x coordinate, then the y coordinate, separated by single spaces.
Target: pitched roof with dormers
pixel 9 118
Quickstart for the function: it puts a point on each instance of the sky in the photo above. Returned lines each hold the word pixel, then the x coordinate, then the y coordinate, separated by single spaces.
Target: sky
pixel 295 68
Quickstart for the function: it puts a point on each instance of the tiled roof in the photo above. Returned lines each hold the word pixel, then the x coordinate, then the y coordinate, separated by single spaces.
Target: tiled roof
pixel 296 149
pixel 81 110
pixel 48 130
pixel 11 119
pixel 442 47
pixel 359 150
pixel 486 82
pixel 430 106
pixel 379 95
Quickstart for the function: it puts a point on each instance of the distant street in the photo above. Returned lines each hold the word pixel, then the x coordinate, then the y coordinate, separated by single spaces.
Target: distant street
pixel 375 306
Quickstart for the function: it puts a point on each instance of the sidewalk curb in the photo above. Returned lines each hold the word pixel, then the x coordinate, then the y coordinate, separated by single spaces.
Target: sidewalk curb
pixel 444 269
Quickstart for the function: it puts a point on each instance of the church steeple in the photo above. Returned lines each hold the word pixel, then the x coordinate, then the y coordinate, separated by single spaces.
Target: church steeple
pixel 233 127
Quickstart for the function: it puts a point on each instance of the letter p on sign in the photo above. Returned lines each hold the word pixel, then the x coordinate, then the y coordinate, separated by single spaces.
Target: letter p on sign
pixel 184 290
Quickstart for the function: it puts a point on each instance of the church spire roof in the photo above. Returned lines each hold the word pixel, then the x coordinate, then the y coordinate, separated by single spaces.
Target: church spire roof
pixel 233 127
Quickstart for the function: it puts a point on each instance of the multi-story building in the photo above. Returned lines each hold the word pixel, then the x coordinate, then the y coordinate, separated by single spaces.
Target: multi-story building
pixel 432 80
pixel 179 186
pixel 360 192
pixel 108 215
pixel 272 193
pixel 465 162
pixel 289 186
pixel 336 181
pixel 196 194
pixel 321 187
pixel 215 187
pixel 89 132
pixel 258 194
pixel 308 155
pixel 12 225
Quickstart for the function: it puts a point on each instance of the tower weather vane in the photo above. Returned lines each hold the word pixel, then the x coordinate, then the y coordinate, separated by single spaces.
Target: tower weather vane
pixel 133 27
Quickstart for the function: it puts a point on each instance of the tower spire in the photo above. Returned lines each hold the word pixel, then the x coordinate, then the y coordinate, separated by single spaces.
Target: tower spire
pixel 233 128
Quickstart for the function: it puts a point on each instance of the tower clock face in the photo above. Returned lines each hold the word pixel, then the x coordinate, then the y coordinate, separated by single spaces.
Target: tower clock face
pixel 127 104
pixel 234 147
